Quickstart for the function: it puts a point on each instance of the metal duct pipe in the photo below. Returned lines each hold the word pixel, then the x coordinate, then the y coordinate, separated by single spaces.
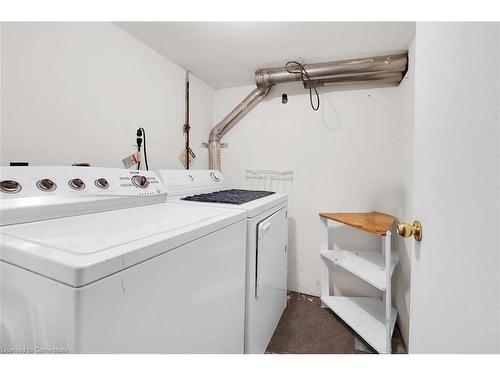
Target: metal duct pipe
pixel 380 68
pixel 379 71
pixel 229 121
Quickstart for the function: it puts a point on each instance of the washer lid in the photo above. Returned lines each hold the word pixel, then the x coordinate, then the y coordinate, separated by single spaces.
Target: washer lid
pixel 81 249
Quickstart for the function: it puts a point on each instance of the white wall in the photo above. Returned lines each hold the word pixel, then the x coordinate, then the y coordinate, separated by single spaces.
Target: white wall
pixel 76 92
pixel 1 91
pixel 354 154
pixel 401 284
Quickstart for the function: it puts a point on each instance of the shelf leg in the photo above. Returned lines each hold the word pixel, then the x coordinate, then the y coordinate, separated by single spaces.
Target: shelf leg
pixel 361 346
pixel 325 271
pixel 323 233
pixel 387 294
pixel 325 281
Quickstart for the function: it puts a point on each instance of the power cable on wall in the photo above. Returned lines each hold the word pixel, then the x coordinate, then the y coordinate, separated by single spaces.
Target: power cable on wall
pixel 186 128
pixel 295 67
pixel 141 139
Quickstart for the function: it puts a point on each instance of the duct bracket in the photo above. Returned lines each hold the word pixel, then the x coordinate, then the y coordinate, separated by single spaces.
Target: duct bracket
pixel 222 145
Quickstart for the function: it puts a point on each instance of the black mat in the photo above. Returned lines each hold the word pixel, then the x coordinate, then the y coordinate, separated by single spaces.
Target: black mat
pixel 232 196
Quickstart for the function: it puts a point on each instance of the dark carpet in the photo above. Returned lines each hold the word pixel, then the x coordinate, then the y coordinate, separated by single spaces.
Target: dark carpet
pixel 306 328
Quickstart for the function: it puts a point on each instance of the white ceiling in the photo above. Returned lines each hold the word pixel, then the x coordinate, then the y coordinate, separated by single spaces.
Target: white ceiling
pixel 226 54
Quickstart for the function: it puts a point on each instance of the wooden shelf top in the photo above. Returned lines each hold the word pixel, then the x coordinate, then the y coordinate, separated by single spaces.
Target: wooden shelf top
pixel 373 222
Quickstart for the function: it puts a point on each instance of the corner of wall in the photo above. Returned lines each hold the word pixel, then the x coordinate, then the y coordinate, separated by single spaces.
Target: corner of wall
pixel 402 281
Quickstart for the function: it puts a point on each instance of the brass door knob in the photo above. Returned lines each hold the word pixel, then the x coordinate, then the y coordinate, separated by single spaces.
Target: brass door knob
pixel 407 230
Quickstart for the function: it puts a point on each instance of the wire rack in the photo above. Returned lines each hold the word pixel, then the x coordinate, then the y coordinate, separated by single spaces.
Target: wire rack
pixel 271 180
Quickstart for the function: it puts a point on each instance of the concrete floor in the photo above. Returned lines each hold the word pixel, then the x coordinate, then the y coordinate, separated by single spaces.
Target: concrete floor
pixel 306 328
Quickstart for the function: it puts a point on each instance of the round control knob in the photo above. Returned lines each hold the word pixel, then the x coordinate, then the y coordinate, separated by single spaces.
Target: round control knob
pixel 140 181
pixel 76 184
pixel 10 186
pixel 214 176
pixel 46 185
pixel 101 183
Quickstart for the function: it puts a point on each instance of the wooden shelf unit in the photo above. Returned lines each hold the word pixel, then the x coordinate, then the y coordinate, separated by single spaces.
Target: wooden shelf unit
pixel 367 265
pixel 372 222
pixel 366 315
pixel 372 318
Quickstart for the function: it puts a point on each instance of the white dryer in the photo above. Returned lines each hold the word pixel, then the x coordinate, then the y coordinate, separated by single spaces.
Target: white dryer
pixel 266 239
pixel 83 271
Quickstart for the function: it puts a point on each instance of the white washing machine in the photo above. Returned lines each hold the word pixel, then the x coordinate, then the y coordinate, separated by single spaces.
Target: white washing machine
pixel 83 271
pixel 266 239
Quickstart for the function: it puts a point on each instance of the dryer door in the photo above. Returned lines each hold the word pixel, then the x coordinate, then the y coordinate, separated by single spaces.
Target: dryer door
pixel 270 275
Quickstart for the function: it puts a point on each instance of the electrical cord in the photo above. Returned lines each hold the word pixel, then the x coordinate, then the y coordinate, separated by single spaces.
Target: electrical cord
pixel 141 136
pixel 295 67
pixel 144 148
pixel 138 140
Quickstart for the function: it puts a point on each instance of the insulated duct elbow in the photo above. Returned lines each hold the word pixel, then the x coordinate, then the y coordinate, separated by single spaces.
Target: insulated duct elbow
pixel 238 113
pixel 229 121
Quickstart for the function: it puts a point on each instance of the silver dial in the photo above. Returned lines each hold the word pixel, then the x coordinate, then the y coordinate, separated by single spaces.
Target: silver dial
pixel 46 185
pixel 10 186
pixel 214 176
pixel 76 184
pixel 102 183
pixel 140 181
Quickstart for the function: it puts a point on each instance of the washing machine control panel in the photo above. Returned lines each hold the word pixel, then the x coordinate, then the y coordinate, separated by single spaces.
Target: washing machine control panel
pixel 74 190
pixel 38 181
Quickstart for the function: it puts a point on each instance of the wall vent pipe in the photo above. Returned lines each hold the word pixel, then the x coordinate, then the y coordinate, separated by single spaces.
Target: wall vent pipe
pixel 386 68
pixel 378 71
pixel 229 121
